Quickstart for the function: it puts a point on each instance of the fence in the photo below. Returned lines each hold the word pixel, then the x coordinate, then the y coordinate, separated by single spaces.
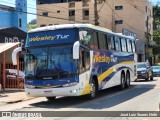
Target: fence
pixel 14 78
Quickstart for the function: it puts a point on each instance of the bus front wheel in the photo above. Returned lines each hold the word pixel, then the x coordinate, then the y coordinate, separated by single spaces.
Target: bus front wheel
pixel 93 89
pixel 51 98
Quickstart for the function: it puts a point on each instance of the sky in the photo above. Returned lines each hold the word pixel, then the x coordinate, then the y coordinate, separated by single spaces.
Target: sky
pixel 31 4
pixel 155 1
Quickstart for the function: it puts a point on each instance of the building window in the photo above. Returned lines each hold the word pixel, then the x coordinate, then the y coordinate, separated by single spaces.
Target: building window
pixel 72 13
pixel 20 22
pixel 119 22
pixel 45 13
pixel 58 11
pixel 71 5
pixel 85 14
pixel 118 7
pixel 42 25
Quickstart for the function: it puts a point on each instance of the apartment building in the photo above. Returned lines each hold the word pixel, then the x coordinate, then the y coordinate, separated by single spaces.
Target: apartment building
pixel 129 17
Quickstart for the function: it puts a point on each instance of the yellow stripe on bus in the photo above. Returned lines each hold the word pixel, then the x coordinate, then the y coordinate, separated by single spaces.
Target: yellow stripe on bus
pixel 87 89
pixel 127 62
pixel 103 76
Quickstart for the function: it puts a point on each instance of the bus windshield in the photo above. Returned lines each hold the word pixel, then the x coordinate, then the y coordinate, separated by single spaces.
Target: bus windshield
pixel 57 62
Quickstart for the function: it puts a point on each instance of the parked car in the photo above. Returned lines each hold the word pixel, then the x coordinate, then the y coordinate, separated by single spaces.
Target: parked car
pixel 156 70
pixel 144 71
pixel 11 76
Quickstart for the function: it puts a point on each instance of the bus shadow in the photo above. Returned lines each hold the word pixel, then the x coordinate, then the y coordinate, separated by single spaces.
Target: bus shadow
pixel 105 99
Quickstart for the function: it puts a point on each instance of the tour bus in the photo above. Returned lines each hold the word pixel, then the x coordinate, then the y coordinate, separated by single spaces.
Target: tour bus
pixel 77 59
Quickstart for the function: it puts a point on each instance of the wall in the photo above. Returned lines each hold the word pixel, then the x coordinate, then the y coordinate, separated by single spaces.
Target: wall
pixel 6 18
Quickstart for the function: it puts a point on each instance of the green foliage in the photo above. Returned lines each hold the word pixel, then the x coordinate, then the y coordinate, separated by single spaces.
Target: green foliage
pixel 32 26
pixel 156 32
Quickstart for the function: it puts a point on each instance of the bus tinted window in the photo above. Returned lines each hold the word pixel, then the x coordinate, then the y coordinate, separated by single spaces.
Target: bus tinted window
pixel 102 41
pixel 91 42
pixel 95 40
pixel 82 63
pixel 129 45
pixel 110 41
pixel 88 38
pixel 117 44
pixel 123 43
pixel 133 46
pixel 87 60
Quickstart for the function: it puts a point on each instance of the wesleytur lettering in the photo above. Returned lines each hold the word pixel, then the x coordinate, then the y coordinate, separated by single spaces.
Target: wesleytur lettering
pixel 102 58
pixel 56 37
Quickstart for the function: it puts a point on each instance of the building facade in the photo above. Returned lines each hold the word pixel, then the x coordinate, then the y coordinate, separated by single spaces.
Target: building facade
pixel 128 17
pixel 14 16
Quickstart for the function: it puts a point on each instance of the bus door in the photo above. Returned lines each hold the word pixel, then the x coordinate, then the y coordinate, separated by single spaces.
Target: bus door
pixel 84 64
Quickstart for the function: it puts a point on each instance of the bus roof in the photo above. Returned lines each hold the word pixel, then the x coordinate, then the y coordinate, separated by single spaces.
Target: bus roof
pixel 67 26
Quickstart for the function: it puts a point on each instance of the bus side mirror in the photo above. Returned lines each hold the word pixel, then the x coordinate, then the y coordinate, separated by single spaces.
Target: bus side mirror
pixel 14 55
pixel 76 50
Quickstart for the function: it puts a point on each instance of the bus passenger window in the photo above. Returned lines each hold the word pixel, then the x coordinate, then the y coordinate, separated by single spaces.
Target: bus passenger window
pixel 133 46
pixel 87 57
pixel 102 41
pixel 110 41
pixel 95 40
pixel 117 44
pixel 129 45
pixel 123 43
pixel 81 61
pixel 91 41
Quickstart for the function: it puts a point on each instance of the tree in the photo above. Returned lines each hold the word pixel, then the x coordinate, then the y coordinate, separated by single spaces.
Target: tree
pixel 32 26
pixel 156 29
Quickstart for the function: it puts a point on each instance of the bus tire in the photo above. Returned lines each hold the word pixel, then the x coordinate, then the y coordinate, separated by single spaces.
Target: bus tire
pixel 51 98
pixel 122 86
pixel 93 89
pixel 128 79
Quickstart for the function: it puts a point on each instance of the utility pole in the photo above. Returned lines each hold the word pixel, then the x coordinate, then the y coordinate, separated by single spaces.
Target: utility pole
pixel 96 2
pixel 113 18
pixel 96 13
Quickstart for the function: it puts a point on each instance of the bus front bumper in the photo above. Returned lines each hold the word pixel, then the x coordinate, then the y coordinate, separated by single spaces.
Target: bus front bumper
pixel 50 92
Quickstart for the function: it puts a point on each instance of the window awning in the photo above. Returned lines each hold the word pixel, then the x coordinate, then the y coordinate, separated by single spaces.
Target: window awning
pixel 6 46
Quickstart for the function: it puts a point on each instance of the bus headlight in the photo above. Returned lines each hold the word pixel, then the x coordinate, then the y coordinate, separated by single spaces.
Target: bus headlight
pixel 29 86
pixel 70 84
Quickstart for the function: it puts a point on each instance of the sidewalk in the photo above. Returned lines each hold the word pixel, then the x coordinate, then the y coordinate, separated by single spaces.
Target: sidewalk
pixel 13 96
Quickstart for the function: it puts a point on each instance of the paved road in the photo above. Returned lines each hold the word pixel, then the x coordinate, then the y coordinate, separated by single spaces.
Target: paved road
pixel 141 96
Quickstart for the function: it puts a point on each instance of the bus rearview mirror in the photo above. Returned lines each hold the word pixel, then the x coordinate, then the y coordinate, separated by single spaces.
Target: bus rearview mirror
pixel 14 55
pixel 76 50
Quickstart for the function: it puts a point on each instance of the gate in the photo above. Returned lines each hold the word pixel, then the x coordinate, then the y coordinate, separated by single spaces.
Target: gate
pixel 11 77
